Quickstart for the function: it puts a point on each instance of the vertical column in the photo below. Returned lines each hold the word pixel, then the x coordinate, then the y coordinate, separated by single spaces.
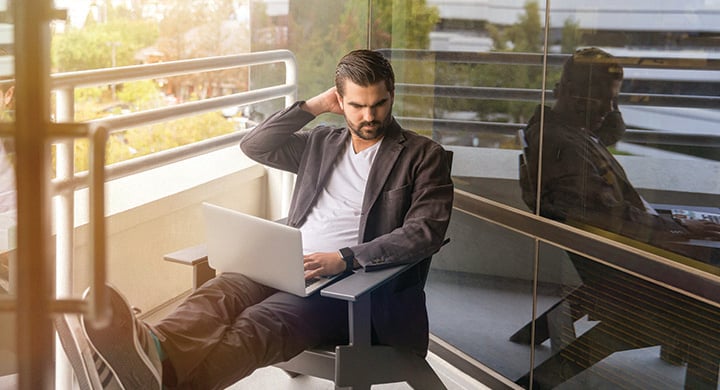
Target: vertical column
pixel 35 285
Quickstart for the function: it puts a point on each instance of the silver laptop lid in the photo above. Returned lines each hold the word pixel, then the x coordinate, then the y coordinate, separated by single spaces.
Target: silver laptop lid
pixel 267 252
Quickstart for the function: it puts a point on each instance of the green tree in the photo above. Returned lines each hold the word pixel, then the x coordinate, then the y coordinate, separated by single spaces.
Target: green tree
pixel 321 32
pixel 154 138
pixel 571 37
pixel 143 94
pixel 93 46
pixel 523 36
pixel 196 29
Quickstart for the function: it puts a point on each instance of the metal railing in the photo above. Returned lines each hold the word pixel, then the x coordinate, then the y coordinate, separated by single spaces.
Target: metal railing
pixel 66 182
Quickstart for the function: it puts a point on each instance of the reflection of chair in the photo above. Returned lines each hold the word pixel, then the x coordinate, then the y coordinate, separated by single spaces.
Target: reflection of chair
pixel 359 364
pixel 633 313
pixel 556 323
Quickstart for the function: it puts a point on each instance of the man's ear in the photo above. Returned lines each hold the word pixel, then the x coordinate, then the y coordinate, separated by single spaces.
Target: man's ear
pixel 340 100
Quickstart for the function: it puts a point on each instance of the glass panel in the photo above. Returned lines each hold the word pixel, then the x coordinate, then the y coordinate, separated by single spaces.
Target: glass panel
pixel 319 32
pixel 479 294
pixel 460 82
pixel 615 330
pixel 650 186
pixel 617 159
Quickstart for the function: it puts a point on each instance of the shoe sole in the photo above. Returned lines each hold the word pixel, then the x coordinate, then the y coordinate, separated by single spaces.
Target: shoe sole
pixel 131 366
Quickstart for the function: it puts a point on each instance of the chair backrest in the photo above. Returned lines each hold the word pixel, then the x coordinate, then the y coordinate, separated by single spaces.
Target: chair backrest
pixel 522 141
pixel 423 267
pixel 91 371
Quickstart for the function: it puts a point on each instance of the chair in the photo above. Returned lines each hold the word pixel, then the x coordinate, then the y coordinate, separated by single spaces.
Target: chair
pixel 358 364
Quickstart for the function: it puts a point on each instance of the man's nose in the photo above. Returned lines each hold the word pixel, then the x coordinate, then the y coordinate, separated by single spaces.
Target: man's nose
pixel 369 114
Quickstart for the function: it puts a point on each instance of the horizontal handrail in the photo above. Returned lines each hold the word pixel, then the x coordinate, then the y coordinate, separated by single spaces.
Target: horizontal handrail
pixel 68 81
pixel 195 107
pixel 172 68
pixel 534 95
pixel 536 59
pixel 510 129
pixel 154 160
pixel 703 284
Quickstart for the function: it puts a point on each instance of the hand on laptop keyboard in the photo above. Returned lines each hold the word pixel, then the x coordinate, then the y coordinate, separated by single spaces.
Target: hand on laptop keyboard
pixel 323 264
pixel 702 229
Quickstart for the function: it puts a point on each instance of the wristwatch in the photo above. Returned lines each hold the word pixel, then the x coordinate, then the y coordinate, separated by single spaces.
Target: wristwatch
pixel 349 258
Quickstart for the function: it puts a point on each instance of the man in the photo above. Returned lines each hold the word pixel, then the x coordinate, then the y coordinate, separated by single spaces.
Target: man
pixel 369 195
pixel 581 181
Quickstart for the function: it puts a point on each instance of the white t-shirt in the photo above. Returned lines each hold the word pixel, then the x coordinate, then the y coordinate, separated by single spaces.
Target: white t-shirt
pixel 339 203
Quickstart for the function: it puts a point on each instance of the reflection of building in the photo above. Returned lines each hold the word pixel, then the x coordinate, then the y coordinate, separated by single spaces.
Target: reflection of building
pixel 149 55
pixel 651 29
pixel 691 24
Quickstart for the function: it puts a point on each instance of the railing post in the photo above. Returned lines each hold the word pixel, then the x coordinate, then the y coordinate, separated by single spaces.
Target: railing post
pixel 287 178
pixel 64 208
pixel 35 277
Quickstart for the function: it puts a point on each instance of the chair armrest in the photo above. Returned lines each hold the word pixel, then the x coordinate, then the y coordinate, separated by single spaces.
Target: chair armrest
pixel 193 255
pixel 361 282
pixel 196 257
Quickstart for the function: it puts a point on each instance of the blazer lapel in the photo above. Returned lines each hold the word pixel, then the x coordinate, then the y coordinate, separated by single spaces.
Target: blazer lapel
pixel 316 177
pixel 382 166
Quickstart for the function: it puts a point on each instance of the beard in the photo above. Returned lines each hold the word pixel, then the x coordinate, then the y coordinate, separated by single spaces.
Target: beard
pixel 369 130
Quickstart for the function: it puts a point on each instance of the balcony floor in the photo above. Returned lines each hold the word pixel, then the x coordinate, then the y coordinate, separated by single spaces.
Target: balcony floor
pixel 275 378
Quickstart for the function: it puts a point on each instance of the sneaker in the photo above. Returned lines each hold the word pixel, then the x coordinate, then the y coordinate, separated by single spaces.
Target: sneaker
pixel 126 346
pixel 91 371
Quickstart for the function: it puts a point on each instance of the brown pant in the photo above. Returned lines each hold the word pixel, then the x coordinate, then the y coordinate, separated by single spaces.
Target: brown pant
pixel 231 326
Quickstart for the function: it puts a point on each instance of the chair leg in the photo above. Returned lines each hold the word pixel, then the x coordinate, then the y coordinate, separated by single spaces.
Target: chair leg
pixel 291 374
pixel 425 378
pixel 588 349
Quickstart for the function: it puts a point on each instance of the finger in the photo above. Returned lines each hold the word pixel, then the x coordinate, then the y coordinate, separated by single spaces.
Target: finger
pixel 312 274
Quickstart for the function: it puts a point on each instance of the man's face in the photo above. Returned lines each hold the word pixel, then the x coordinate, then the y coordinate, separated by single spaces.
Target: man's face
pixel 367 110
pixel 591 106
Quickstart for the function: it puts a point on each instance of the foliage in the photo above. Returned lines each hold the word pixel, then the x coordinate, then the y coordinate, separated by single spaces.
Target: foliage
pixel 154 138
pixel 92 46
pixel 196 29
pixel 523 36
pixel 321 32
pixel 571 36
pixel 141 94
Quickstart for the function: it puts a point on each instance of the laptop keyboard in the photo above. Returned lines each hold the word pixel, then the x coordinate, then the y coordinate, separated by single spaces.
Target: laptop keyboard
pixel 308 282
pixel 711 217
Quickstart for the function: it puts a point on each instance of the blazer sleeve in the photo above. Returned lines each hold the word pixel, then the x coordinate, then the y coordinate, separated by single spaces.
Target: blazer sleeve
pixel 278 142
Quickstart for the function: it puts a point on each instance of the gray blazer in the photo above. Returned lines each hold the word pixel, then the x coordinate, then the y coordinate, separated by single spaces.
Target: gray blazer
pixel 405 212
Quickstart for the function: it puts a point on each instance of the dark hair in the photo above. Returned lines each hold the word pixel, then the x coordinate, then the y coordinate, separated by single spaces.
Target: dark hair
pixel 590 66
pixel 364 68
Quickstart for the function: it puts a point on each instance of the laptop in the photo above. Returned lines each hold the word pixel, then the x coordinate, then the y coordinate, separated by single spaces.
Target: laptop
pixel 695 215
pixel 267 252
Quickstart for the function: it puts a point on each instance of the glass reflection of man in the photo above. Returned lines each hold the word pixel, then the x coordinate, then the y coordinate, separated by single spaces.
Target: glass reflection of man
pixel 581 180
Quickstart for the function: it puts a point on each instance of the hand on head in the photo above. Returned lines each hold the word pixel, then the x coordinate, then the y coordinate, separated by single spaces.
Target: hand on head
pixel 327 101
